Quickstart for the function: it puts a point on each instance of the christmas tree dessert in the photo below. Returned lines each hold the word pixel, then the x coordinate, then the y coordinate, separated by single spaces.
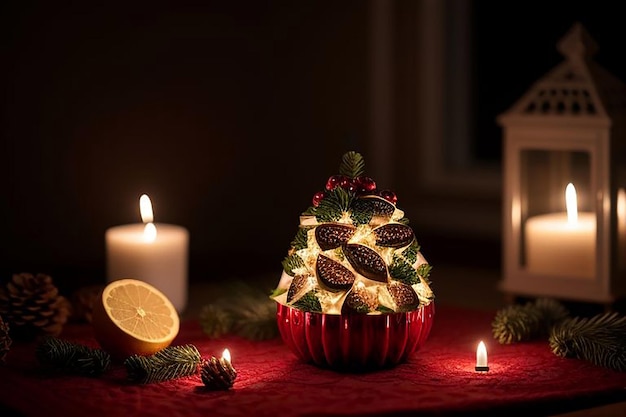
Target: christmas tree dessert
pixel 354 251
pixel 354 257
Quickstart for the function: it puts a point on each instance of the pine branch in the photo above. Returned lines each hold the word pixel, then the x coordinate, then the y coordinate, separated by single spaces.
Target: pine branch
pixel 216 321
pixel 334 205
pixel 404 220
pixel 352 165
pixel 292 262
pixel 410 253
pixel 300 241
pixel 402 271
pixel 309 302
pixel 247 312
pixel 256 320
pixel 600 340
pixel 424 272
pixel 169 363
pixel 362 212
pixel 517 323
pixel 61 355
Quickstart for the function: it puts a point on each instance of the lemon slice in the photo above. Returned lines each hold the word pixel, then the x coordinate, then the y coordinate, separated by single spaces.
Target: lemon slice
pixel 132 317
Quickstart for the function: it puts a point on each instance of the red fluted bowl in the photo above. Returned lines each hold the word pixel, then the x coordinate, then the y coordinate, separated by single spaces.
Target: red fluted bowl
pixel 354 342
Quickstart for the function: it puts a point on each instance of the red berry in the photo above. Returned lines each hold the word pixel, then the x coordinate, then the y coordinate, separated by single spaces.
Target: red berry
pixel 317 197
pixel 347 184
pixel 333 182
pixel 389 196
pixel 365 185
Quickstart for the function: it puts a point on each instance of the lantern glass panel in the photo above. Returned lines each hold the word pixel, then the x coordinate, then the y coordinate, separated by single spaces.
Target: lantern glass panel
pixel 552 243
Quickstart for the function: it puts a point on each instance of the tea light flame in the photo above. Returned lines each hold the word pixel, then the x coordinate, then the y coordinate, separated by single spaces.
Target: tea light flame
pixel 226 355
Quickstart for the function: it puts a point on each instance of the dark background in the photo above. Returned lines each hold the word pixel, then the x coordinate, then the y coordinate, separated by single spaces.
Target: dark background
pixel 229 115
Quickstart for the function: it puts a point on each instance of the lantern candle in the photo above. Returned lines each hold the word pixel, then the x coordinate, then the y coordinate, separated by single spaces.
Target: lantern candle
pixel 156 253
pixel 562 244
pixel 481 358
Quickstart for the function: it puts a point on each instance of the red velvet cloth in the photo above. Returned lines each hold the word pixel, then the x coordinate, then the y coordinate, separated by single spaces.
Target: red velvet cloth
pixel 438 380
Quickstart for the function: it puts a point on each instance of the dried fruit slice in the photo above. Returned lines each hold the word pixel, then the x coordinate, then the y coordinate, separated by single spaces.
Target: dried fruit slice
pixel 394 235
pixel 297 287
pixel 333 235
pixel 378 205
pixel 404 296
pixel 366 262
pixel 333 275
pixel 359 300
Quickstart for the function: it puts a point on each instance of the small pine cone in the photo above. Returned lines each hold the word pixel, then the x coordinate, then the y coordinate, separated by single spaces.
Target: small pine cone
pixel 83 301
pixel 5 340
pixel 32 306
pixel 217 374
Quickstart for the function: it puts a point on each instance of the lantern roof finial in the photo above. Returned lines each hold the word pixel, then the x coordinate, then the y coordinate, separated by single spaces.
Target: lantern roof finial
pixel 577 44
pixel 577 88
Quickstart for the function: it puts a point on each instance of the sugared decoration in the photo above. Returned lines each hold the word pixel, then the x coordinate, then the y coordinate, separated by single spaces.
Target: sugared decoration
pixel 354 254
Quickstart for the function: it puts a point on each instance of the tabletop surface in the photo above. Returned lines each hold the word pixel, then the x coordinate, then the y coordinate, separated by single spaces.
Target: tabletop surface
pixel 439 379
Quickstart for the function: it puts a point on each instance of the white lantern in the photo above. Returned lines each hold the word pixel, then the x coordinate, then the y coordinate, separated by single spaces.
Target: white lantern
pixel 564 206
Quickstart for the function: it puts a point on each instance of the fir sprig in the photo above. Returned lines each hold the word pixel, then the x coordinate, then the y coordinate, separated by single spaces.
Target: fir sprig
pixel 292 262
pixel 64 356
pixel 247 312
pixel 410 253
pixel 309 302
pixel 300 241
pixel 332 207
pixel 424 272
pixel 169 363
pixel 600 340
pixel 352 165
pixel 361 212
pixel 533 320
pixel 402 271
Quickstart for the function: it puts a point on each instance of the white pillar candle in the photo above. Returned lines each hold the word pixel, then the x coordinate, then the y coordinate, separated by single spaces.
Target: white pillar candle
pixel 156 253
pixel 562 244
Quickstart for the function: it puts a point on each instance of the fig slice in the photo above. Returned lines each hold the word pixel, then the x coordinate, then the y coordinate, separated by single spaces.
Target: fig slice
pixel 394 235
pixel 296 287
pixel 333 275
pixel 359 300
pixel 377 205
pixel 404 296
pixel 333 235
pixel 366 262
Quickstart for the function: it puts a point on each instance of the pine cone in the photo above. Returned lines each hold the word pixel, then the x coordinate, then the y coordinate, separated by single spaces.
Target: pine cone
pixel 83 300
pixel 5 340
pixel 32 306
pixel 217 374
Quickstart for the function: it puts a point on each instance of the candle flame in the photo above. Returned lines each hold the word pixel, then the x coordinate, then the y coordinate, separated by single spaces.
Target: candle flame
pixel 145 207
pixel 149 232
pixel 481 354
pixel 571 204
pixel 226 355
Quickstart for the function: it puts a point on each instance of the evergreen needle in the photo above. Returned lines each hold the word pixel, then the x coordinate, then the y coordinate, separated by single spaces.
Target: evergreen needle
pixel 169 363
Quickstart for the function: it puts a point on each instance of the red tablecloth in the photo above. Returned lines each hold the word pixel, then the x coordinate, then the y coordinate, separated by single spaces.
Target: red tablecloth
pixel 438 380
